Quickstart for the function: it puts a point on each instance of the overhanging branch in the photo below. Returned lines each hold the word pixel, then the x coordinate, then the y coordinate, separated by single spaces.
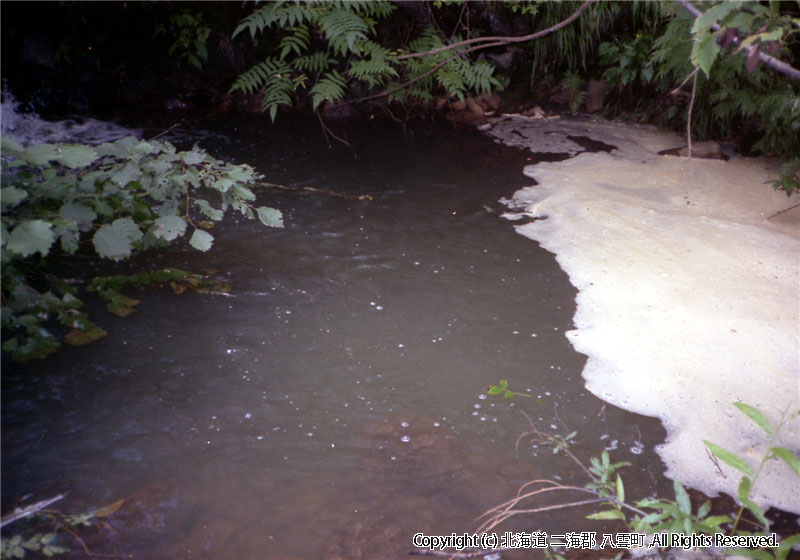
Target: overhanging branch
pixel 770 61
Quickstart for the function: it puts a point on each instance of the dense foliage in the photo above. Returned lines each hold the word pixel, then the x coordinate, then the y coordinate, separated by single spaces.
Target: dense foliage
pixel 110 200
pixel 334 51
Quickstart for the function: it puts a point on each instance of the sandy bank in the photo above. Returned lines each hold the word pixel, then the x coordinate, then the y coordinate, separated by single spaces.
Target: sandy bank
pixel 689 297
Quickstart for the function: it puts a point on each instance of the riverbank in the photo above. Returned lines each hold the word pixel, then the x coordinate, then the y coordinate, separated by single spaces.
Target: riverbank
pixel 688 288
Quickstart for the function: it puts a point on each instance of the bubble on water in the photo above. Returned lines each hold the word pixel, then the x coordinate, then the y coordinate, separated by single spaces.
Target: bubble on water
pixel 553 426
pixel 405 439
pixel 613 445
pixel 404 424
pixel 514 332
pixel 248 415
pixel 310 434
pixel 259 437
pixel 394 458
pixel 476 405
pixel 436 424
pixel 379 307
pixel 481 397
pixel 400 345
pixel 372 303
pixel 483 418
pixel 475 413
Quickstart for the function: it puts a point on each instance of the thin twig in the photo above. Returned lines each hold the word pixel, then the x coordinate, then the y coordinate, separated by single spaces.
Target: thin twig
pixel 689 117
pixel 165 131
pixel 497 41
pixel 778 213
pixel 494 42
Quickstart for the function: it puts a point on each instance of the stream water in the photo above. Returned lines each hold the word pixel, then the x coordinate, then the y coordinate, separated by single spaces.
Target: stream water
pixel 334 403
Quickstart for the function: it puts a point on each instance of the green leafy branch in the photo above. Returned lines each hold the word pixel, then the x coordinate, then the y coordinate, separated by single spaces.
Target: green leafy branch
pixel 502 389
pixel 112 200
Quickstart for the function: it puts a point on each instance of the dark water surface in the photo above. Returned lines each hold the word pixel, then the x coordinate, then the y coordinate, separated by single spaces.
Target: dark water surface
pixel 334 404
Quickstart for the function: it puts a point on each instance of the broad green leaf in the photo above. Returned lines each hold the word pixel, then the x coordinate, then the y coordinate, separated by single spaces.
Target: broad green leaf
pixel 201 240
pixel 208 210
pixel 124 174
pixel 243 192
pixel 122 148
pixel 81 337
pixel 494 390
pixel 704 509
pixel 78 213
pixel 193 157
pixel 788 456
pixel 756 510
pixel 115 241
pixel 730 458
pixel 271 217
pixel 76 156
pixel 786 547
pixel 756 416
pixel 169 227
pixel 620 490
pixel 29 237
pixel 682 498
pixel 705 51
pixel 606 515
pixel 11 196
pixel 745 485
pixel 713 15
pixel 9 145
pixel 41 154
pixel 68 236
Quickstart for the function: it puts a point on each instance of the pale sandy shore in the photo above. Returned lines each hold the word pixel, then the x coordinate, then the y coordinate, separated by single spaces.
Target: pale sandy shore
pixel 689 296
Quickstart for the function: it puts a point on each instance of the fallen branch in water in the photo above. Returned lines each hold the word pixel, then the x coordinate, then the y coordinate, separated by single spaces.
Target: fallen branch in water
pixel 29 510
pixel 314 190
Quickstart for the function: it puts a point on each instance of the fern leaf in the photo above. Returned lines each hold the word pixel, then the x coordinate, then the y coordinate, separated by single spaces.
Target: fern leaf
pixel 258 76
pixel 297 41
pixel 330 88
pixel 315 63
pixel 342 29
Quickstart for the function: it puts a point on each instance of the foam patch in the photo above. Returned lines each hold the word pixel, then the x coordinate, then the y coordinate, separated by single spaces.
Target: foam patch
pixel 689 291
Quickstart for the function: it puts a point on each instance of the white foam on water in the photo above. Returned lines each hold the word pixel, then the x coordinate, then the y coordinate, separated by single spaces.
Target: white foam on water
pixel 30 128
pixel 688 296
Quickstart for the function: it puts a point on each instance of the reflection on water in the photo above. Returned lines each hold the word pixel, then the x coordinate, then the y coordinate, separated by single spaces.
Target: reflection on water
pixel 334 404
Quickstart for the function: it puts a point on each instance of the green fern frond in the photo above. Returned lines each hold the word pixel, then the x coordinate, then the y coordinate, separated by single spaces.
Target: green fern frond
pixel 374 70
pixel 257 76
pixel 285 14
pixel 330 88
pixel 297 41
pixel 314 63
pixel 279 92
pixel 342 29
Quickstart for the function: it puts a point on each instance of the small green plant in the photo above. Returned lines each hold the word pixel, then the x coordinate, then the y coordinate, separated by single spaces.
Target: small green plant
pixel 502 388
pixel 42 530
pixel 573 83
pixel 191 34
pixel 789 178
pixel 653 516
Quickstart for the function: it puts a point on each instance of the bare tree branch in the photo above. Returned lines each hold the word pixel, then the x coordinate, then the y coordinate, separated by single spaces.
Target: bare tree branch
pixel 495 41
pixel 492 42
pixel 770 61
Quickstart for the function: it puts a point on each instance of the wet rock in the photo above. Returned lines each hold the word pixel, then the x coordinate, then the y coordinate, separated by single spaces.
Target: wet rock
pixel 596 92
pixel 700 150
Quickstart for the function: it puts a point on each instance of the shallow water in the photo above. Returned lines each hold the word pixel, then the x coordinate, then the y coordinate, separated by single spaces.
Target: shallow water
pixel 334 404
